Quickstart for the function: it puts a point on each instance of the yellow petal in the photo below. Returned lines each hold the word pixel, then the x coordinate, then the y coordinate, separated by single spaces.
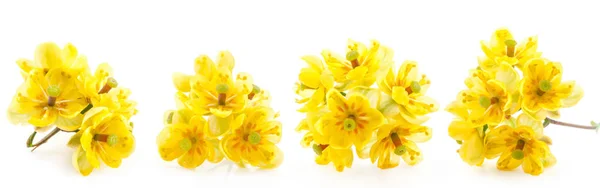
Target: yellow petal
pixel 44 118
pixel 225 59
pixel 69 124
pixel 574 98
pixel 533 165
pixel 336 102
pixel 508 76
pixel 49 55
pixel 413 154
pixel 204 66
pixel 221 113
pixel 168 143
pixel 314 62
pixel 357 73
pixel 244 83
pixel 218 126
pixel 191 159
pixel 536 125
pixel 81 163
pixel 472 150
pixel 507 162
pixel 69 53
pixel 310 77
pixel 181 82
pixel 400 95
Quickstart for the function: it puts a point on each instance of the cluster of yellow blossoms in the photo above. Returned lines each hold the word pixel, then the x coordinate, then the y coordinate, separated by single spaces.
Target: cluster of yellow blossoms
pixel 218 116
pixel 509 99
pixel 60 92
pixel 359 101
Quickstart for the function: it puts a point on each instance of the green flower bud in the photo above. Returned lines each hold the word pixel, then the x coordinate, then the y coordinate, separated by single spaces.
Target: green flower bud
pixel 352 55
pixel 484 101
pixel 518 154
pixel 415 87
pixel 185 144
pixel 545 85
pixel 112 82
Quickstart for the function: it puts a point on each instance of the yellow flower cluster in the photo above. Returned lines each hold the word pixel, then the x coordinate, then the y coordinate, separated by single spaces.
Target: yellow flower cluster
pixel 60 92
pixel 359 101
pixel 508 99
pixel 218 116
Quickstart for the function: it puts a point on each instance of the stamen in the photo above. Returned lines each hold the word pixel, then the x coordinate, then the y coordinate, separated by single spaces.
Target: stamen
pixel 352 56
pixel 110 83
pixel 111 139
pixel 518 152
pixel 510 47
pixel 53 92
pixel 318 149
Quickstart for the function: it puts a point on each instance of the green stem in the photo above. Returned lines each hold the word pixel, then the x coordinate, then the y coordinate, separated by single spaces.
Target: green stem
pixel 555 122
pixel 45 139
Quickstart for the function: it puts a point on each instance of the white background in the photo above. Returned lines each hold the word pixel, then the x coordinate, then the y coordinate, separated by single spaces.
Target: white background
pixel 145 42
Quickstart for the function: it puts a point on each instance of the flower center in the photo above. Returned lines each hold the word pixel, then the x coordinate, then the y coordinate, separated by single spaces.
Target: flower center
pixel 110 83
pixel 414 87
pixel 485 101
pixel 545 86
pixel 400 148
pixel 518 152
pixel 318 149
pixel 186 143
pixel 222 90
pixel 111 139
pixel 349 124
pixel 352 56
pixel 53 92
pixel 254 138
pixel 510 47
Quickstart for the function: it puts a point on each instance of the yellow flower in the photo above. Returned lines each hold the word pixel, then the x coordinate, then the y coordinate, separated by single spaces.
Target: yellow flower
pixel 488 99
pixel 315 81
pixel 544 91
pixel 362 65
pixel 309 125
pixel 100 83
pixel 104 136
pixel 184 138
pixel 341 158
pixel 397 139
pixel 520 146
pixel 215 93
pixel 253 138
pixel 49 56
pixel 118 102
pixel 408 90
pixel 349 121
pixel 502 48
pixel 468 134
pixel 49 98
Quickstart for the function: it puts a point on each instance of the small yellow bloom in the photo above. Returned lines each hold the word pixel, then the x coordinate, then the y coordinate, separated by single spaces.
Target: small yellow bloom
pixel 361 66
pixel 350 121
pixel 544 91
pixel 118 102
pixel 468 134
pixel 214 92
pixel 487 98
pixel 341 158
pixel 502 48
pixel 49 56
pixel 314 83
pixel 407 89
pixel 104 136
pixel 49 98
pixel 253 138
pixel 520 146
pixel 184 138
pixel 396 140
pixel 100 83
